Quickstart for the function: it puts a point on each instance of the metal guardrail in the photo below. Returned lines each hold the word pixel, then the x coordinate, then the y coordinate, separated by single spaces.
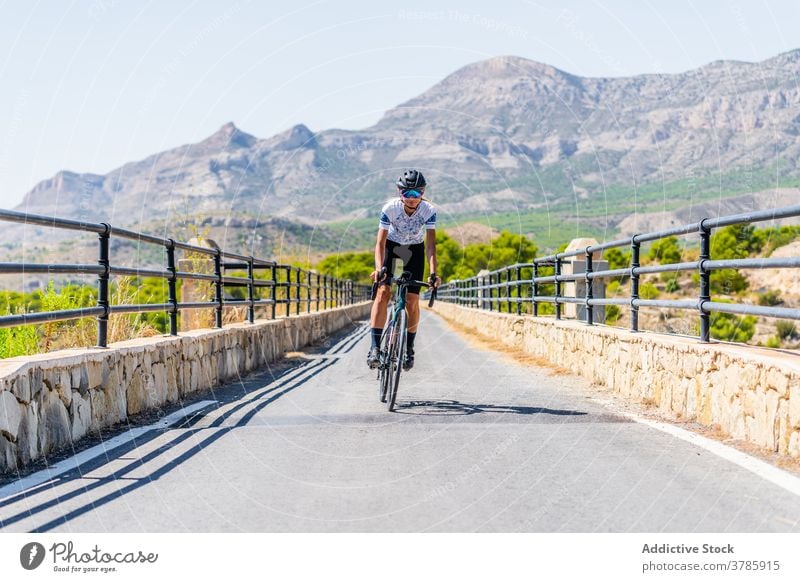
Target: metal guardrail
pixel 302 286
pixel 485 291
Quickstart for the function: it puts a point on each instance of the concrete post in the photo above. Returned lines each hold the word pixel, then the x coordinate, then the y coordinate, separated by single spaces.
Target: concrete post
pixel 573 265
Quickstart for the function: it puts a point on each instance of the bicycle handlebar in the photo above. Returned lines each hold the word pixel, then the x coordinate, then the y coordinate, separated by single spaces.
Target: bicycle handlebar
pixel 402 282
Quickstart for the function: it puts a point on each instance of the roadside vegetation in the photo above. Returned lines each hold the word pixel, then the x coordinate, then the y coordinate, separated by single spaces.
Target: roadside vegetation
pixel 456 262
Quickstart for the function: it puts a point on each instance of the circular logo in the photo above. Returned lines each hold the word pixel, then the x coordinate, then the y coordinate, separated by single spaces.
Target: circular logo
pixel 32 555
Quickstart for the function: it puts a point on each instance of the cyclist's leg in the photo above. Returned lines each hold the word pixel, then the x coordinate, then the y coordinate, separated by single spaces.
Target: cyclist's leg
pixel 378 314
pixel 379 309
pixel 415 264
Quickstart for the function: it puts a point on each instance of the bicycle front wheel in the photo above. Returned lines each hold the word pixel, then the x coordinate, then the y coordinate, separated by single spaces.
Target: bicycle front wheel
pixel 398 351
pixel 383 367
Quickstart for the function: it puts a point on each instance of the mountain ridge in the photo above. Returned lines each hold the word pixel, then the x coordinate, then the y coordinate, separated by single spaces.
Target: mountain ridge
pixel 506 134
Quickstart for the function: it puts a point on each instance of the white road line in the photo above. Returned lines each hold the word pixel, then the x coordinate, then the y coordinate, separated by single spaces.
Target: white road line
pixel 764 470
pixel 61 467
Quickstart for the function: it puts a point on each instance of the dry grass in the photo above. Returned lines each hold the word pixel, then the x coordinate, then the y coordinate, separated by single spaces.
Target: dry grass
pixel 83 332
pixel 511 352
pixel 646 408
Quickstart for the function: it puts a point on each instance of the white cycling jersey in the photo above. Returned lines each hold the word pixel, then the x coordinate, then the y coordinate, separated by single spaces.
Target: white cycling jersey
pixel 404 229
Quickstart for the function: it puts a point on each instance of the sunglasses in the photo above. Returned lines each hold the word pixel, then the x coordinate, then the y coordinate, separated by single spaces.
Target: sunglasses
pixel 411 193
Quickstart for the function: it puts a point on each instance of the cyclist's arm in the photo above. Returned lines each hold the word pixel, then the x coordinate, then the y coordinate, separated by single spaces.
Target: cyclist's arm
pixel 380 248
pixel 430 249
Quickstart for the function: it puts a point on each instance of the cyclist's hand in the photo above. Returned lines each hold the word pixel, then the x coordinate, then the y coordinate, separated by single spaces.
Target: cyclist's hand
pixel 378 275
pixel 435 280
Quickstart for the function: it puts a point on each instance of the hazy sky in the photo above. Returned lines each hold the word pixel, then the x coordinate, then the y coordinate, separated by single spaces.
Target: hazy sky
pixel 89 85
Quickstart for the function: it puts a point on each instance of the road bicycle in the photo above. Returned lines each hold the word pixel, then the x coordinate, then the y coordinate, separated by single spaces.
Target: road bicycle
pixel 393 339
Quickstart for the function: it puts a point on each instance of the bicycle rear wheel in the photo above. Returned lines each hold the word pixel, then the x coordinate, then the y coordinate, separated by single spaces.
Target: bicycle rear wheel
pixel 398 351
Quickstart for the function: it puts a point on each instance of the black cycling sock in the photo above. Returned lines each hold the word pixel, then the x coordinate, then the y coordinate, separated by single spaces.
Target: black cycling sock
pixel 376 336
pixel 410 337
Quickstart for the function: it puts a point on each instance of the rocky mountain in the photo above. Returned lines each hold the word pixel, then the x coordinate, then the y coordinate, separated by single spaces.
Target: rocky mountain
pixel 502 135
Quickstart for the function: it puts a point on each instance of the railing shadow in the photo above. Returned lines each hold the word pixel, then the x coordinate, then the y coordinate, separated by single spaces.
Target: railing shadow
pixel 278 386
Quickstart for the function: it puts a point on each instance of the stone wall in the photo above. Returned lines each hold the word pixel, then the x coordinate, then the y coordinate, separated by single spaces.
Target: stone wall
pixel 49 401
pixel 749 393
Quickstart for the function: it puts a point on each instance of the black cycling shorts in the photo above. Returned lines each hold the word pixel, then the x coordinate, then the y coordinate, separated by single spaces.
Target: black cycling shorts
pixel 398 258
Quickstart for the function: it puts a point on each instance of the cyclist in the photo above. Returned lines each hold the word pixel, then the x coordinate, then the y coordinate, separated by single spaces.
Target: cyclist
pixel 400 238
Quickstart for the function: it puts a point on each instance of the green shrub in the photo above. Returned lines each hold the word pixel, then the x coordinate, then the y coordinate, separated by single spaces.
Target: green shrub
pixel 665 251
pixel 18 341
pixel 773 342
pixel 613 313
pixel 617 259
pixel 672 285
pixel 732 328
pixel 770 298
pixel 786 329
pixel 648 291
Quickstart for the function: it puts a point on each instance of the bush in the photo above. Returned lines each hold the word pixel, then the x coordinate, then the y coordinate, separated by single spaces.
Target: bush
pixel 648 291
pixel 666 251
pixel 786 329
pixel 18 341
pixel 731 242
pixel 613 313
pixel 773 342
pixel 672 285
pixel 617 259
pixel 729 327
pixel 770 298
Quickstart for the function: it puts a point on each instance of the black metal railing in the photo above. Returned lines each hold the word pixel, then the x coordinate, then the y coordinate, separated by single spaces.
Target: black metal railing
pixel 300 287
pixel 490 290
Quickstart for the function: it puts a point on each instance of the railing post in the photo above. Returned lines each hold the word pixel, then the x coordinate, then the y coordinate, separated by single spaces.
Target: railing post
pixel 218 287
pixel 589 289
pixel 473 283
pixel 557 272
pixel 325 292
pixel 635 249
pixel 705 282
pixel 508 289
pixel 251 294
pixel 274 289
pixel 519 290
pixel 491 291
pixel 172 288
pixel 102 287
pixel 308 292
pixel 318 292
pixel 297 310
pixel 288 291
pixel 535 289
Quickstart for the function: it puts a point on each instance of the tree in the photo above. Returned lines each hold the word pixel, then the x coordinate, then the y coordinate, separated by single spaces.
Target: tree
pixel 449 255
pixel 617 259
pixel 354 266
pixel 506 249
pixel 731 242
pixel 729 327
pixel 665 251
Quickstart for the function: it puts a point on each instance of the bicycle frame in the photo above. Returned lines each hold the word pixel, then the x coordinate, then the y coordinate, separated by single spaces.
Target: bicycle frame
pixel 393 340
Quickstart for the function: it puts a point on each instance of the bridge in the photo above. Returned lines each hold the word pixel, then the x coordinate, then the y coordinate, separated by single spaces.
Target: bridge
pixel 275 424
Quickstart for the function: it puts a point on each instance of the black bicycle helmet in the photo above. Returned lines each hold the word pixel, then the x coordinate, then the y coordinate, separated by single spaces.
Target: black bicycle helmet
pixel 411 179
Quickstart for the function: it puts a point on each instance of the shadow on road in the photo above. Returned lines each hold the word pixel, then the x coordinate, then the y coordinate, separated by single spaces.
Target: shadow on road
pixel 454 407
pixel 40 499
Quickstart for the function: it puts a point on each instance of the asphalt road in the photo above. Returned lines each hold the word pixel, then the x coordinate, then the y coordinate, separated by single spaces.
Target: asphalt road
pixel 478 443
